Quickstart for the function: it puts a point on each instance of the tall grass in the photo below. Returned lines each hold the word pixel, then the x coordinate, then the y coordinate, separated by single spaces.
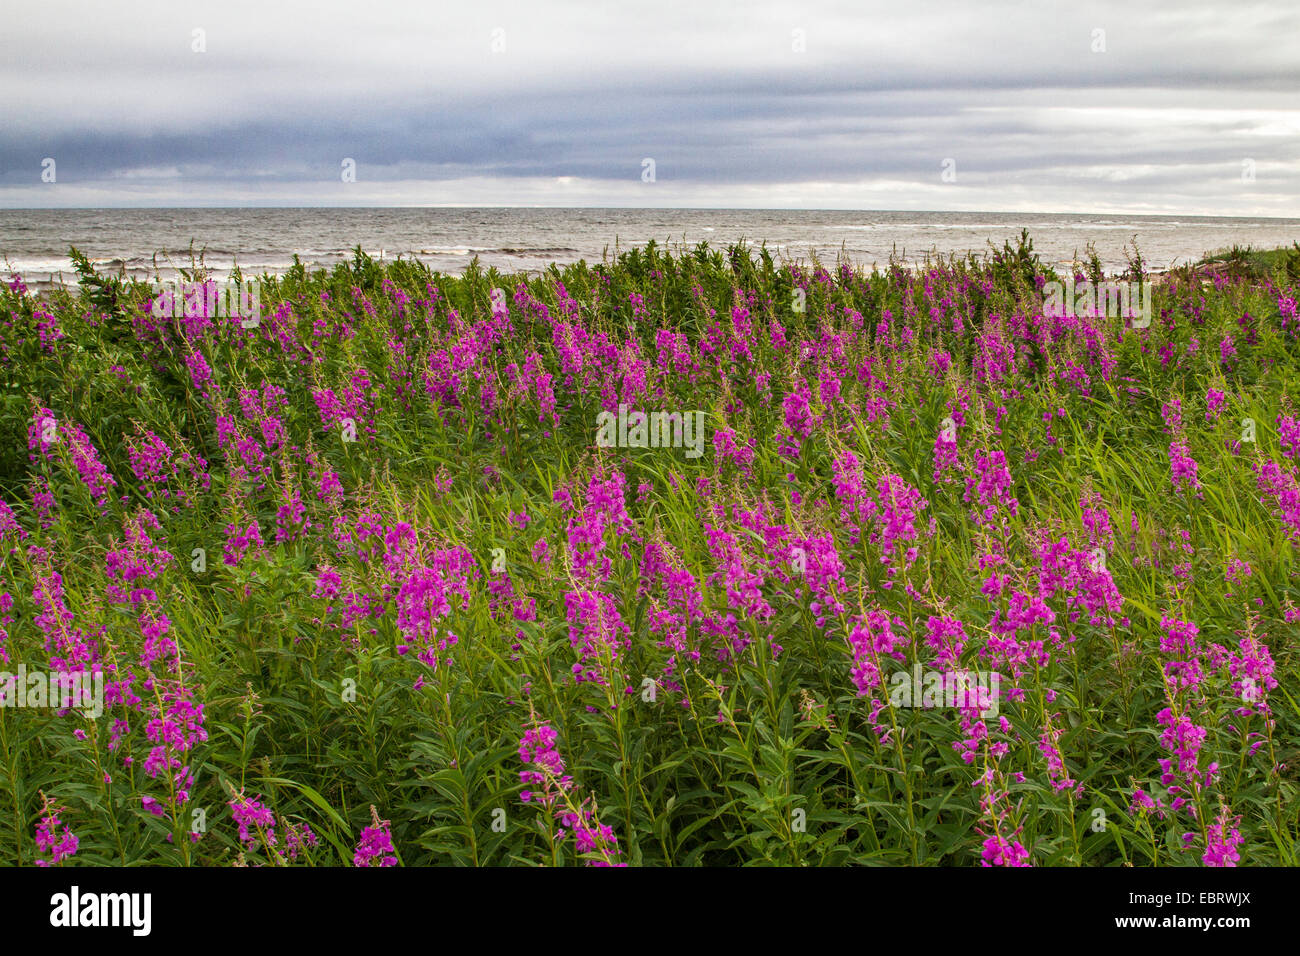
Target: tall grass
pixel 365 588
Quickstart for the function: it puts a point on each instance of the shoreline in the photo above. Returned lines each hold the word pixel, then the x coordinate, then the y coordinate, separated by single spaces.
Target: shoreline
pixel 1208 266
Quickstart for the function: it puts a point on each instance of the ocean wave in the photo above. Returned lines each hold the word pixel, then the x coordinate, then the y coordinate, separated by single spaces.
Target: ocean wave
pixel 497 251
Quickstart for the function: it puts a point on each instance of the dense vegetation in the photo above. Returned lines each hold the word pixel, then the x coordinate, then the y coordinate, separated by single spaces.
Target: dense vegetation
pixel 364 587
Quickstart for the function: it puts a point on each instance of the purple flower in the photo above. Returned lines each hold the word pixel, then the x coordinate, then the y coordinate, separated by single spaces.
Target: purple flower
pixel 375 844
pixel 53 838
pixel 252 815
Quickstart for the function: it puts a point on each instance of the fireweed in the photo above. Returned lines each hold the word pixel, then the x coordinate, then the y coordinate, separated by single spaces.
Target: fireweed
pixel 592 839
pixel 343 557
pixel 53 837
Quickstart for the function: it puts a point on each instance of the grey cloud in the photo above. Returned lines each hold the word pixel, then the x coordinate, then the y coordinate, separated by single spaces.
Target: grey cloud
pixel 713 92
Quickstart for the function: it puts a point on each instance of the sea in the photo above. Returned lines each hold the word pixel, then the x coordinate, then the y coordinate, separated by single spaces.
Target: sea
pixel 151 244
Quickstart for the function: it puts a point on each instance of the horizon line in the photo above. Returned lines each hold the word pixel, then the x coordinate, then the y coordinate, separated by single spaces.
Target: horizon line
pixel 786 209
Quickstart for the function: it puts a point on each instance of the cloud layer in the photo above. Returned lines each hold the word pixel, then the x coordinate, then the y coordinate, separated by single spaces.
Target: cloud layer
pixel 1022 106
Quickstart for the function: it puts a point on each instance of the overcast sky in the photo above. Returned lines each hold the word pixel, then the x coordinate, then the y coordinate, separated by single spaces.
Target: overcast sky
pixel 1029 105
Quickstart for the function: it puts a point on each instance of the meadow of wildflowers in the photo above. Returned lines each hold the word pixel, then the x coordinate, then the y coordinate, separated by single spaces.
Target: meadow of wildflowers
pixel 364 588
